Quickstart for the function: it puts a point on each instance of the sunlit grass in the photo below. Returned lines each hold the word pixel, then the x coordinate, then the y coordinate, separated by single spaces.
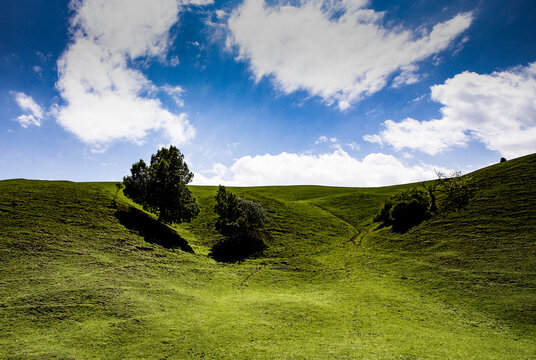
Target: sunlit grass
pixel 75 283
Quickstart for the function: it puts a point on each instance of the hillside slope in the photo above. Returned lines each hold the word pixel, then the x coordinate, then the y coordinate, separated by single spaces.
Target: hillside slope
pixel 76 281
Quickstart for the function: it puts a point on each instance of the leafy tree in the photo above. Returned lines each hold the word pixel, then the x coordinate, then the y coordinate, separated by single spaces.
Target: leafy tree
pixel 409 208
pixel 228 210
pixel 431 189
pixel 161 187
pixel 405 210
pixel 240 221
pixel 455 191
pixel 237 215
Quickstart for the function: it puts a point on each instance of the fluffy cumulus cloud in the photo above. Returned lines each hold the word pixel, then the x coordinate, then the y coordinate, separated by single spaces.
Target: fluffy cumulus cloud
pixel 497 109
pixel 337 168
pixel 33 112
pixel 338 50
pixel 106 97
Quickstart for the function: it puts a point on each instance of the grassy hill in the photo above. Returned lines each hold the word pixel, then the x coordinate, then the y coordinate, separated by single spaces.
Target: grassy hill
pixel 78 281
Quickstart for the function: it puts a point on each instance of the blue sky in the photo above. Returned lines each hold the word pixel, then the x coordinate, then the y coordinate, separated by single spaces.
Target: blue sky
pixel 253 92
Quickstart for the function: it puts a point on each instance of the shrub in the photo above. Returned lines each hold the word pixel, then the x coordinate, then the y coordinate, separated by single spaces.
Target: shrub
pixel 409 208
pixel 384 216
pixel 240 221
pixel 456 192
pixel 405 210
pixel 237 215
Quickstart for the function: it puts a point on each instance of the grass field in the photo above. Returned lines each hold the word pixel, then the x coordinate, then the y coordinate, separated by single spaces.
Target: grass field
pixel 75 283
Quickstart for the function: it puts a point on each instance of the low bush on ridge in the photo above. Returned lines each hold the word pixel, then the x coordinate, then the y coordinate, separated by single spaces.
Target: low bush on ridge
pixel 412 206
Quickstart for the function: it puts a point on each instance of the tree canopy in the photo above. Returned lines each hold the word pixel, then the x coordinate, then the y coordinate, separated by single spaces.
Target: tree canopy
pixel 237 215
pixel 239 221
pixel 161 187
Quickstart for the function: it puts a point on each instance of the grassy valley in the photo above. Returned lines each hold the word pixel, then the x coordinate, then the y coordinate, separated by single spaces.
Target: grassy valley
pixel 77 281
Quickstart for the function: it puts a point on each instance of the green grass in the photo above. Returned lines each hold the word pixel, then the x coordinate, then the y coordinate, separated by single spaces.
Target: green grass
pixel 76 284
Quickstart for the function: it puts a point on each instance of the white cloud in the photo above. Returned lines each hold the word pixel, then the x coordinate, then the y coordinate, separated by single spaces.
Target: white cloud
pixel 498 110
pixel 28 120
pixel 107 99
pixel 221 14
pixel 408 75
pixel 323 139
pixel 337 168
pixel 431 137
pixel 199 2
pixel 175 93
pixel 27 104
pixel 174 61
pixel 340 58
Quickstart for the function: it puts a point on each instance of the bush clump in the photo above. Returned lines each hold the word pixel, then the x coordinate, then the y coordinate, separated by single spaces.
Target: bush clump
pixel 240 221
pixel 405 210
pixel 455 192
pixel 411 207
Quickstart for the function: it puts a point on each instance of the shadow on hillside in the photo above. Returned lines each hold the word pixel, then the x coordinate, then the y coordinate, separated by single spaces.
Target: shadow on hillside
pixel 238 247
pixel 151 230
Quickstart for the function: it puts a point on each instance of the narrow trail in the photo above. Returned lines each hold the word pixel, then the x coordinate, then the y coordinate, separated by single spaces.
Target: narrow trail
pixel 357 239
pixel 243 283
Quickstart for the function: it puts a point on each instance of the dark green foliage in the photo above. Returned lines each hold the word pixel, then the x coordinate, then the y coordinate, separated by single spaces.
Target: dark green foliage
pixel 237 215
pixel 239 220
pixel 384 216
pixel 228 211
pixel 405 210
pixel 410 208
pixel 456 192
pixel 161 188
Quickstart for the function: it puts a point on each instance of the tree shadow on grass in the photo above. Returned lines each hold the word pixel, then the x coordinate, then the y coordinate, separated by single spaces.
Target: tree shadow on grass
pixel 238 247
pixel 151 230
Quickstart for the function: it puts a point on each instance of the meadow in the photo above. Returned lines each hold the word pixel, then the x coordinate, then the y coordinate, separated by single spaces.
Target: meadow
pixel 78 282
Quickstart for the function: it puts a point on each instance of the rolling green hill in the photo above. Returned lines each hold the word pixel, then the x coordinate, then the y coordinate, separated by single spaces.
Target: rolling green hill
pixel 82 277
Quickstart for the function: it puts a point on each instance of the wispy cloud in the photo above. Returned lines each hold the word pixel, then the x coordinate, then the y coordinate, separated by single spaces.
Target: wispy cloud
pixel 338 50
pixel 497 109
pixel 34 112
pixel 324 139
pixel 107 98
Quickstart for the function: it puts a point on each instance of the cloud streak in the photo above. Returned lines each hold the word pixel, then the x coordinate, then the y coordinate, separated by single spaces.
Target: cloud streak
pixel 34 112
pixel 337 50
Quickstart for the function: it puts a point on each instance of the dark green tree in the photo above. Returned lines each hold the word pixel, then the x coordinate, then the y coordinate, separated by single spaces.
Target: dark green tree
pixel 161 187
pixel 409 208
pixel 228 210
pixel 237 215
pixel 240 221
pixel 456 191
pixel 405 210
